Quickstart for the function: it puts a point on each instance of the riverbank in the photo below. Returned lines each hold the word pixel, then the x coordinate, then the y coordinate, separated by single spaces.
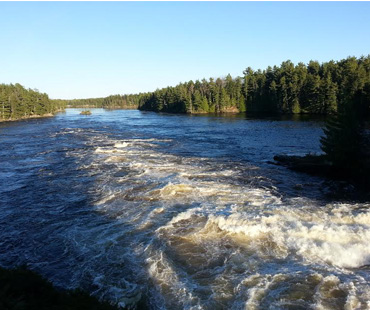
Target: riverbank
pixel 311 164
pixel 318 165
pixel 30 117
pixel 21 288
pixel 101 107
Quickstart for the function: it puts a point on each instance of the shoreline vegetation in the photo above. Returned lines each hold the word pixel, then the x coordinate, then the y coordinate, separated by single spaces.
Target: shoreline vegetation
pixel 314 88
pixel 30 117
pixel 110 102
pixel 17 102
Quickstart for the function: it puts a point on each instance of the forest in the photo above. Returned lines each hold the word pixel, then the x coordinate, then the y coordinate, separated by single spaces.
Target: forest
pixel 286 89
pixel 110 102
pixel 17 102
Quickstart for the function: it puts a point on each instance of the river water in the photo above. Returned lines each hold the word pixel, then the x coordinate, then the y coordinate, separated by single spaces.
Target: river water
pixel 182 212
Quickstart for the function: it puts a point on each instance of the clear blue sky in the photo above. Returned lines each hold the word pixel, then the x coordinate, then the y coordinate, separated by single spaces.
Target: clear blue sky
pixel 94 49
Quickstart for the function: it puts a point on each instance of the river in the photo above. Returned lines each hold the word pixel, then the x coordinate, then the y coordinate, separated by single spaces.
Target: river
pixel 183 212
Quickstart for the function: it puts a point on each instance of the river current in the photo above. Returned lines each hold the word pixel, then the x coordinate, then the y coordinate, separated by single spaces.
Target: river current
pixel 182 212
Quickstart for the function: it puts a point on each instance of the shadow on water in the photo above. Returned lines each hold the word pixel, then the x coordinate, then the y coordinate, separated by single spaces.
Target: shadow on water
pixel 249 116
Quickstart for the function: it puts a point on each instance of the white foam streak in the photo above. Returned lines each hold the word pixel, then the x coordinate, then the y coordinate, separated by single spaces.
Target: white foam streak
pixel 199 210
pixel 121 145
pixel 261 286
pixel 320 242
pixel 165 275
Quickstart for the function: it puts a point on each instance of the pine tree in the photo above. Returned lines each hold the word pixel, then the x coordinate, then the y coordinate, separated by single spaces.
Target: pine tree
pixel 224 100
pixel 204 105
pixel 197 101
pixel 328 95
pixel 283 102
pixel 344 141
pixel 311 93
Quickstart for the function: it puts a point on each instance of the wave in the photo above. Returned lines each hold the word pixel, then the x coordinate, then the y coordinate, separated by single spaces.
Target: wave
pixel 211 234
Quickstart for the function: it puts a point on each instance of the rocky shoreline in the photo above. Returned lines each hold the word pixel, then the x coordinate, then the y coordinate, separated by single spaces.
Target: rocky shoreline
pixel 30 117
pixel 318 165
pixel 311 164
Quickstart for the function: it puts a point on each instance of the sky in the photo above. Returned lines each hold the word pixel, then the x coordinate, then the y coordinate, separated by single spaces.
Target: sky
pixel 95 49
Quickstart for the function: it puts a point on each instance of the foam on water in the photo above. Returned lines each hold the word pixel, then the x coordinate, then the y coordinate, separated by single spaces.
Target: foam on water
pixel 318 238
pixel 121 145
pixel 219 238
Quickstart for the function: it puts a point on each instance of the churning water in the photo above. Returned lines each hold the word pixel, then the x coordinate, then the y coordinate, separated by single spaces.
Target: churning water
pixel 184 212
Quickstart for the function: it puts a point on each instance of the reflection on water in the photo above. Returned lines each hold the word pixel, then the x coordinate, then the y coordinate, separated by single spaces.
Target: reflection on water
pixel 183 211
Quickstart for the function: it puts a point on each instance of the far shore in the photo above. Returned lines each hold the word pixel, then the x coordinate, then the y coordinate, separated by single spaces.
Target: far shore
pixel 106 108
pixel 30 116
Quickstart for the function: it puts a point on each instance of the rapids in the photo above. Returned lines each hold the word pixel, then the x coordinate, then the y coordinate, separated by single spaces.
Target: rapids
pixel 183 212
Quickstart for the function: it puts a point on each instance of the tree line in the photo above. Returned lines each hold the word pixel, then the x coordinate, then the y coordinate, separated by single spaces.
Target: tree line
pixel 18 102
pixel 286 89
pixel 84 103
pixel 110 102
pixel 340 89
pixel 311 88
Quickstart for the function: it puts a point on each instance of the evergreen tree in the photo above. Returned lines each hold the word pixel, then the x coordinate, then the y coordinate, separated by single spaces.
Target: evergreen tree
pixel 344 141
pixel 328 95
pixel 17 102
pixel 284 89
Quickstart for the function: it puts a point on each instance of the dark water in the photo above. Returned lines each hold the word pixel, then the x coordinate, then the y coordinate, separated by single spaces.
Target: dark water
pixel 185 212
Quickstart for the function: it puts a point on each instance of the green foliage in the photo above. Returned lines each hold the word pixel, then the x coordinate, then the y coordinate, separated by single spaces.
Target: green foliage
pixel 22 289
pixel 120 101
pixel 204 105
pixel 346 142
pixel 296 109
pixel 84 103
pixel 314 88
pixel 110 102
pixel 18 102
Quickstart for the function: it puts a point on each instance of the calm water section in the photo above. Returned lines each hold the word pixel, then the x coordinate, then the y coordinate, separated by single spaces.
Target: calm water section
pixel 184 212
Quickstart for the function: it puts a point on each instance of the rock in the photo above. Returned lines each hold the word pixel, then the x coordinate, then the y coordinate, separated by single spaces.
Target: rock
pixel 85 113
pixel 312 164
